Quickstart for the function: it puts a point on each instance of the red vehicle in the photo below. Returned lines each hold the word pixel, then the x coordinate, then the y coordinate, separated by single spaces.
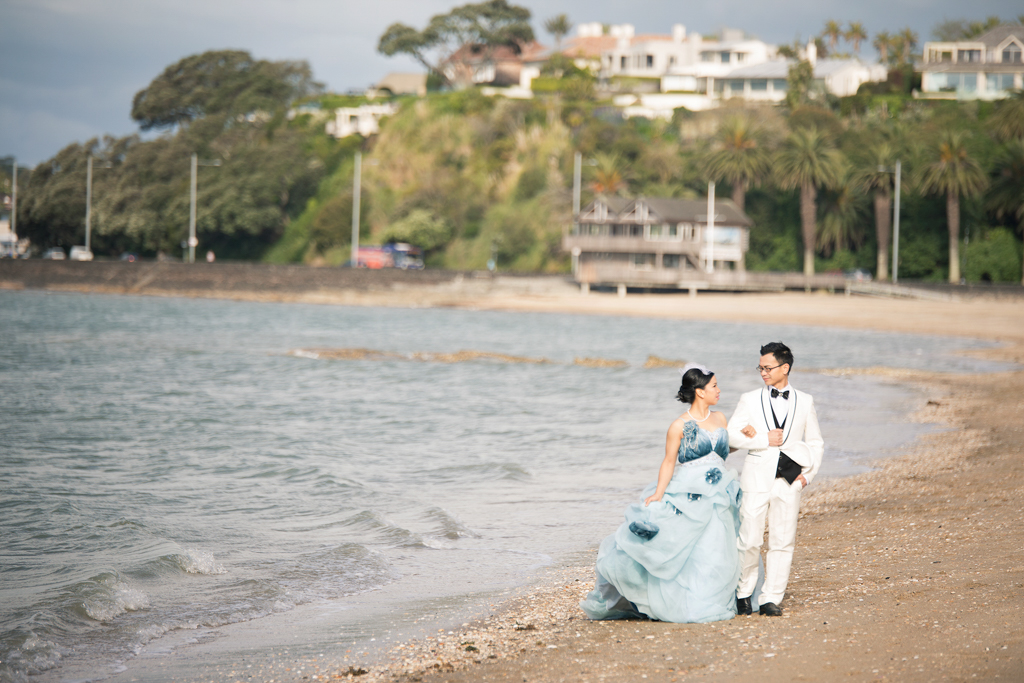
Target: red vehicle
pixel 394 255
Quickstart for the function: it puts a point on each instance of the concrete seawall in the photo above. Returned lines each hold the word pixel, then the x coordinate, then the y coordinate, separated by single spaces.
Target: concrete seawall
pixel 260 281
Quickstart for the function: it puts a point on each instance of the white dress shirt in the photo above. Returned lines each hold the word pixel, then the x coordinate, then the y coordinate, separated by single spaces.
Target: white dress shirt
pixel 780 406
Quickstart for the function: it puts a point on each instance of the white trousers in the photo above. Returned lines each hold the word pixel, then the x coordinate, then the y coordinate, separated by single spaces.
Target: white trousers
pixel 781 505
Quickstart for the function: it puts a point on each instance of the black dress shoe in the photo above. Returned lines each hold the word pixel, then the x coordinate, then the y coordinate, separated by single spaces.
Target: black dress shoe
pixel 770 609
pixel 743 606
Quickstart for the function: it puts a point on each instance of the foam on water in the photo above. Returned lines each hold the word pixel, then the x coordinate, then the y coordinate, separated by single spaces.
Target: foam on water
pixel 170 466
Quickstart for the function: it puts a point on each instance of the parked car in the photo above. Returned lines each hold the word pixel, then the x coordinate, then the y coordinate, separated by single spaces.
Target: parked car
pixel 80 254
pixel 54 253
pixel 129 257
pixel 858 275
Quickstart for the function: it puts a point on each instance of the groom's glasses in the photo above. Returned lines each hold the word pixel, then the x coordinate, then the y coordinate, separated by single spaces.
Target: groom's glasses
pixel 765 368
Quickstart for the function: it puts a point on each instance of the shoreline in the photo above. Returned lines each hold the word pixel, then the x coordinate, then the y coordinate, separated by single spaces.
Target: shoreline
pixel 898 575
pixel 886 582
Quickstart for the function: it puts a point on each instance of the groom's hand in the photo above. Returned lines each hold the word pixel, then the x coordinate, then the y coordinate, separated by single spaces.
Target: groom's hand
pixel 775 437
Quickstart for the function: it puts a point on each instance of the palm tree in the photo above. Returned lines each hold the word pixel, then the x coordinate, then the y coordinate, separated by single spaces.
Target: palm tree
pixel 833 31
pixel 956 174
pixel 908 40
pixel 739 157
pixel 558 26
pixel 883 43
pixel 608 178
pixel 842 225
pixel 1006 196
pixel 808 160
pixel 855 33
pixel 1008 121
pixel 872 174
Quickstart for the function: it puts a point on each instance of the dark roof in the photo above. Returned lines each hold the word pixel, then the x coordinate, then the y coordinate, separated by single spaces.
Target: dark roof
pixel 993 38
pixel 696 210
pixel 678 210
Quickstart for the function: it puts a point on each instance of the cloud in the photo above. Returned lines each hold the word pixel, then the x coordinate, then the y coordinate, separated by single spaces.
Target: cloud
pixel 81 61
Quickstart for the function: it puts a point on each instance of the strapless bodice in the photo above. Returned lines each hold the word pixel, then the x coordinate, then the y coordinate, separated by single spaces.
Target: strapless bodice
pixel 698 442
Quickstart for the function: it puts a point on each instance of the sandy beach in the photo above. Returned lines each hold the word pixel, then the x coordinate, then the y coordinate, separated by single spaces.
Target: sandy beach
pixel 913 571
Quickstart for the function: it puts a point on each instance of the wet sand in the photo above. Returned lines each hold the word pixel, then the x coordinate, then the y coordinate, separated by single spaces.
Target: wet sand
pixel 911 572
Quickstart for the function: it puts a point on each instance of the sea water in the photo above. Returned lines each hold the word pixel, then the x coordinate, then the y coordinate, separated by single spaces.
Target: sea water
pixel 174 464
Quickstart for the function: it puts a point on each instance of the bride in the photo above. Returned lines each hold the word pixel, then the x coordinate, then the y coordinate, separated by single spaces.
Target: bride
pixel 675 557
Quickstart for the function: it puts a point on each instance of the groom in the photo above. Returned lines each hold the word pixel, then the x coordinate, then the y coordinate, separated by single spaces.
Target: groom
pixel 783 454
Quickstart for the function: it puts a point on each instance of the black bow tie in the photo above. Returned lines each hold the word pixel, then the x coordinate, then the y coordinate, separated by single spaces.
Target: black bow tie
pixel 784 394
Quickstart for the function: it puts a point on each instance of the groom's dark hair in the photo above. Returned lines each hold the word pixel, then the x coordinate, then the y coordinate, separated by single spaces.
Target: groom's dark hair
pixel 781 352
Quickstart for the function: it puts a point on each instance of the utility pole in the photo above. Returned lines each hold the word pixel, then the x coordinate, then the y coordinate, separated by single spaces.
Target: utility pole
pixel 577 173
pixel 896 227
pixel 14 205
pixel 710 260
pixel 193 242
pixel 356 191
pixel 88 204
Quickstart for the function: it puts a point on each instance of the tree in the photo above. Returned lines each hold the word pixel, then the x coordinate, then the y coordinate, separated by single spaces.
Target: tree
pixel 558 26
pixel 739 157
pixel 872 173
pixel 883 42
pixel 227 82
pixel 952 30
pixel 420 228
pixel 1007 123
pixel 1006 196
pixel 842 225
pixel 833 31
pixel 955 173
pixel 808 161
pixel 478 27
pixel 855 34
pixel 799 84
pixel 908 41
pixel 608 176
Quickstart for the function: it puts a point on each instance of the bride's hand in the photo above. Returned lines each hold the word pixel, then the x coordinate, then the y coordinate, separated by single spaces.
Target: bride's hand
pixel 652 499
pixel 748 432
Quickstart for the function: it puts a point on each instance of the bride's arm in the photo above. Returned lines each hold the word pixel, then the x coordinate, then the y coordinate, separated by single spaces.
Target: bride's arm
pixel 668 465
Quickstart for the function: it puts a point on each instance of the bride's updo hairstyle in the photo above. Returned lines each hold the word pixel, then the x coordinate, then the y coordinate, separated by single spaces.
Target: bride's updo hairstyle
pixel 694 377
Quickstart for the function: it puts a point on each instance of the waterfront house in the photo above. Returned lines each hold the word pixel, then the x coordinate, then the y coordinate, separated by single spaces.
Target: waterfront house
pixel 986 67
pixel 656 242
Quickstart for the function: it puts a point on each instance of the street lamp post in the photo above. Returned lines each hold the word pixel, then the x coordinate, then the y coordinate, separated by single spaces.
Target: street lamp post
pixel 356 192
pixel 192 240
pixel 896 227
pixel 710 260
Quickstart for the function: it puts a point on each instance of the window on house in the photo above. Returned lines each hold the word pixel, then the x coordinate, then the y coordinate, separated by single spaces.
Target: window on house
pixel 642 261
pixel 780 84
pixel 741 56
pixel 707 56
pixel 759 84
pixel 671 60
pixel 636 231
pixel 737 85
pixel 1011 54
pixel 998 82
pixel 686 231
pixel 670 261
pixel 650 61
pixel 724 57
pixel 968 56
pixel 622 62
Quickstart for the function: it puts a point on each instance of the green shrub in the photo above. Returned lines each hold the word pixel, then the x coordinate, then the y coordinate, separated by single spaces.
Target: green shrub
pixel 993 258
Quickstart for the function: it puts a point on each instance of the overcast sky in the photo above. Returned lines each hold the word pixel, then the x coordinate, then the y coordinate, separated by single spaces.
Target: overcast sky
pixel 69 68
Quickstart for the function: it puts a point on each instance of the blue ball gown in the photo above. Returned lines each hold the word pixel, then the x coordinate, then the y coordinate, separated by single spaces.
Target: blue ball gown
pixel 676 560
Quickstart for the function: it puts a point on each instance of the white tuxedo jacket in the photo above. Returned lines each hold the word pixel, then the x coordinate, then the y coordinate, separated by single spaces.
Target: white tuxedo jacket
pixel 801 433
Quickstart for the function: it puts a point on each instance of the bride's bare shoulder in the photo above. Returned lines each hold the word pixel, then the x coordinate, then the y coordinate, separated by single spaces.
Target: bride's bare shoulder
pixel 718 419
